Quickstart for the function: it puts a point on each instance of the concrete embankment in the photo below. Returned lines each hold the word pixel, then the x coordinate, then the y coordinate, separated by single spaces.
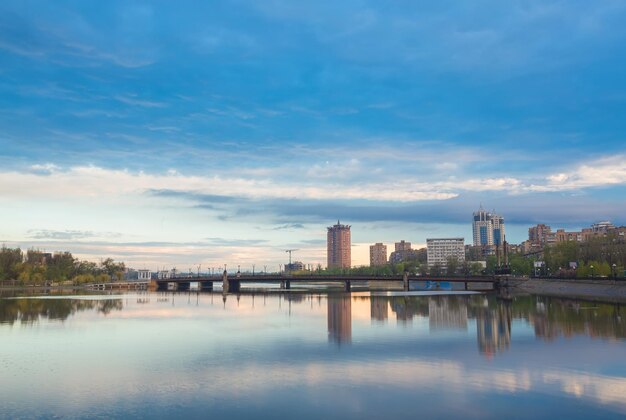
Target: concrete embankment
pixel 605 290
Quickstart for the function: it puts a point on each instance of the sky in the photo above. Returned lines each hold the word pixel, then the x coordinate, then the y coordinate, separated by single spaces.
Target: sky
pixel 172 134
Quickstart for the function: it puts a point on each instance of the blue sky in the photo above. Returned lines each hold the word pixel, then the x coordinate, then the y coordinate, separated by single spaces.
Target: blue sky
pixel 181 133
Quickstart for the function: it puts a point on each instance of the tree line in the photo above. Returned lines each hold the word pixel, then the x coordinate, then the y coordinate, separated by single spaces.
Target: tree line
pixel 35 267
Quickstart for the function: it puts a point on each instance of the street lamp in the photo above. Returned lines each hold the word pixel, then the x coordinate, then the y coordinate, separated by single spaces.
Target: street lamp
pixel 591 270
pixel 253 269
pixel 614 271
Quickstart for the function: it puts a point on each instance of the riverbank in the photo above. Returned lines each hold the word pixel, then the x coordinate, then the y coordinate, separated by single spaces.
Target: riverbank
pixel 605 290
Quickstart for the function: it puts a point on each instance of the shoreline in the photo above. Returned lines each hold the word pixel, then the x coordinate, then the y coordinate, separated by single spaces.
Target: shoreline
pixel 597 290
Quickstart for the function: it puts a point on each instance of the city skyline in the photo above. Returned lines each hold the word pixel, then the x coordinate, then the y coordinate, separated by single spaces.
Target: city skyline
pixel 173 135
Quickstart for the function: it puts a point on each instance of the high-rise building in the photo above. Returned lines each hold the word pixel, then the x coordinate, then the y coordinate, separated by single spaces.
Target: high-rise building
pixel 488 228
pixel 539 234
pixel 441 249
pixel 378 254
pixel 403 246
pixel 338 246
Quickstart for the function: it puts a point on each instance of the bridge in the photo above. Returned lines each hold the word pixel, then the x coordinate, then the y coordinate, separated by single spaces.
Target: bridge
pixel 233 283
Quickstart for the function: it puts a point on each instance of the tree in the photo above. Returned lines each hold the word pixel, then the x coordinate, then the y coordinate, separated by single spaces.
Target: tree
pixel 452 265
pixel 436 270
pixel 112 268
pixel 476 269
pixel 10 260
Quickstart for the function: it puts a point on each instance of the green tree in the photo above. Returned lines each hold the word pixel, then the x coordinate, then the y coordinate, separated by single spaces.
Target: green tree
pixel 10 261
pixel 452 266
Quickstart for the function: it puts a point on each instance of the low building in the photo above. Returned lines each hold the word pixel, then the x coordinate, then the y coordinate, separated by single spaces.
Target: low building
pixel 144 275
pixel 295 266
pixel 378 254
pixel 441 249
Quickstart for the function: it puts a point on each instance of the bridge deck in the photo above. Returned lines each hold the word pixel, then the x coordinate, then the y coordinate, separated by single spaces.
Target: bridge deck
pixel 328 279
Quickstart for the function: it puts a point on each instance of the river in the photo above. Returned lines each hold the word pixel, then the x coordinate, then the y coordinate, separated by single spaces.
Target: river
pixel 310 355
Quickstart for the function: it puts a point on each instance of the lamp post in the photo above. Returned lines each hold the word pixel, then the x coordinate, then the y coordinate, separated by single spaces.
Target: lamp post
pixel 591 270
pixel 253 269
pixel 264 269
pixel 614 271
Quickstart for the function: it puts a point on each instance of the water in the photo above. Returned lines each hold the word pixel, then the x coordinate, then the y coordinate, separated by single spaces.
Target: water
pixel 163 355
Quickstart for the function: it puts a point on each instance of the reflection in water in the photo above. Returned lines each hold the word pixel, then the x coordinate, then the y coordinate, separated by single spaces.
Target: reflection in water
pixel 447 313
pixel 28 310
pixel 407 307
pixel 549 317
pixel 552 318
pixel 493 327
pixel 339 318
pixel 196 355
pixel 379 308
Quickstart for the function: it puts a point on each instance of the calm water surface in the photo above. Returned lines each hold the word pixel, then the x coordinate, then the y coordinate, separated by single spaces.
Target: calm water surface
pixel 160 355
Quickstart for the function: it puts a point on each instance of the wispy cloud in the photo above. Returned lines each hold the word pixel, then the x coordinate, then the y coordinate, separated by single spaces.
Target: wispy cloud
pixel 134 100
pixel 65 235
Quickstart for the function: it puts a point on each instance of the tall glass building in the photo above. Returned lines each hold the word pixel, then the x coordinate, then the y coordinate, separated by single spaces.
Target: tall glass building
pixel 488 228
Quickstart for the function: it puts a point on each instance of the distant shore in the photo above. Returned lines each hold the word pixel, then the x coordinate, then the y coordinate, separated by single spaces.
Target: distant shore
pixel 605 290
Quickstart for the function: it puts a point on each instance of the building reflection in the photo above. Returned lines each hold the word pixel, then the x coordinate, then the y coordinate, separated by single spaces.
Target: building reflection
pixel 379 308
pixel 339 319
pixel 408 307
pixel 447 313
pixel 493 328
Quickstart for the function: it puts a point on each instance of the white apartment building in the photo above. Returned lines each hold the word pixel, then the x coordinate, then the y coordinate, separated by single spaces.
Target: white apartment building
pixel 143 275
pixel 440 249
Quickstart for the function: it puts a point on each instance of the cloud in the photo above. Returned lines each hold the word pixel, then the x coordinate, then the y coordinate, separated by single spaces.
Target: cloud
pixel 602 172
pixel 45 169
pixel 68 39
pixel 221 242
pixel 69 234
pixel 289 226
pixel 132 99
pixel 98 181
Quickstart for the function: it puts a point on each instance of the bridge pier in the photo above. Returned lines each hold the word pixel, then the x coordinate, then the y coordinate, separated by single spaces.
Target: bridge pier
pixel 229 286
pixel 405 281
pixel 347 287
